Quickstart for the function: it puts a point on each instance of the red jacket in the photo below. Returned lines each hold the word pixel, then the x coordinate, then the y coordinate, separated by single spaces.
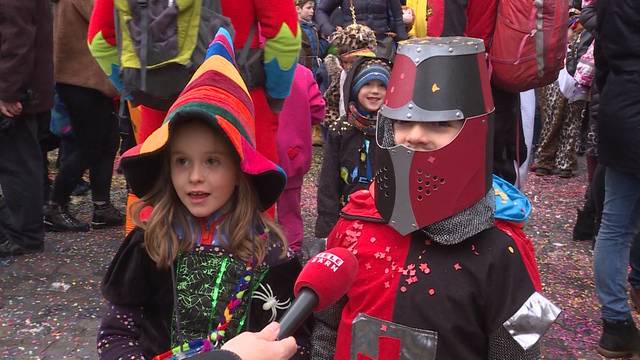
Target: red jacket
pixel 473 18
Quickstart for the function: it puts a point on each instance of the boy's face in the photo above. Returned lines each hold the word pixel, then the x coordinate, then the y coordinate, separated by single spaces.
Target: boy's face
pixel 426 136
pixel 306 11
pixel 371 95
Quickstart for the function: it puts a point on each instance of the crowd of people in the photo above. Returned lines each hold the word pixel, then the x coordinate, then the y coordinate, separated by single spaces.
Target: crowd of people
pixel 210 110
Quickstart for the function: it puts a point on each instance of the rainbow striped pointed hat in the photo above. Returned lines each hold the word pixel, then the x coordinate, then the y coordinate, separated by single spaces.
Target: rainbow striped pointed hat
pixel 217 93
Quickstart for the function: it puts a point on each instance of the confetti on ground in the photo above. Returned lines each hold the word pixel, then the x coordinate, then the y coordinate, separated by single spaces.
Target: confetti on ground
pixel 565 265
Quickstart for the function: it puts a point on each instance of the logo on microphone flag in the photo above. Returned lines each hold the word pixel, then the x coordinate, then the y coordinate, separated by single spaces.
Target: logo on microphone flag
pixel 332 261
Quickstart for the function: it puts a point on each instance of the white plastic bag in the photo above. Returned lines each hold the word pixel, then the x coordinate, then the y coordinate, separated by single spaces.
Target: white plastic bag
pixel 570 87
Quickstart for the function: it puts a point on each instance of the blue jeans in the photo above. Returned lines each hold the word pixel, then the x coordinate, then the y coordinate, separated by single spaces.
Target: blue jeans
pixel 620 224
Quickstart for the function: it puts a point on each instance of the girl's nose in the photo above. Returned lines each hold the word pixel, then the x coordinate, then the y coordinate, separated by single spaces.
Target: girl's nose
pixel 197 173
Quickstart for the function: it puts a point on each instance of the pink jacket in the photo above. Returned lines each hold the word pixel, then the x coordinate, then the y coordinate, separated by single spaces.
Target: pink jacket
pixel 585 71
pixel 303 107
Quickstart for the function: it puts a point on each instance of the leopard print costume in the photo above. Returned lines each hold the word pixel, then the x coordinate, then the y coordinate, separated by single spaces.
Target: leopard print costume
pixel 332 120
pixel 561 123
pixel 351 38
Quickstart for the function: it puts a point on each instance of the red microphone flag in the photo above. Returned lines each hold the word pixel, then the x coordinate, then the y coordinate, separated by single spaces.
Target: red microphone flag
pixel 329 274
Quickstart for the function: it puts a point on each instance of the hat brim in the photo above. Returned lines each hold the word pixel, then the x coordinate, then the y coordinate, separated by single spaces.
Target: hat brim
pixel 142 164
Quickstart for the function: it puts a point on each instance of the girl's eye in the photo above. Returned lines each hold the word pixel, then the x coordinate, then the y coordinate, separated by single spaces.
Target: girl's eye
pixel 213 162
pixel 181 161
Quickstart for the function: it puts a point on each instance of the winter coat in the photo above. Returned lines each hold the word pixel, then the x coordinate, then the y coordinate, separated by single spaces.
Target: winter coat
pixel 618 78
pixel 343 172
pixel 313 47
pixel 380 15
pixel 589 21
pixel 26 64
pixel 302 108
pixel 73 63
pixel 588 18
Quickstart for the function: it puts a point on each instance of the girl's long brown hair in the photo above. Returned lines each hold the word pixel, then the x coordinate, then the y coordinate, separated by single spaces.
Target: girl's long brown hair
pixel 242 222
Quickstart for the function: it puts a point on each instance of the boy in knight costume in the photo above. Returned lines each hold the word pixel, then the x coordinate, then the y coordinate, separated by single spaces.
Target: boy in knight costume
pixel 437 279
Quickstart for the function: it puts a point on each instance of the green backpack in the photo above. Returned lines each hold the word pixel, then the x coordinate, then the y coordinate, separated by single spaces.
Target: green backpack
pixel 161 43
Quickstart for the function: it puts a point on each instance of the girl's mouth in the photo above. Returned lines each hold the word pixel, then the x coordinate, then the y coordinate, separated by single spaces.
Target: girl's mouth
pixel 197 196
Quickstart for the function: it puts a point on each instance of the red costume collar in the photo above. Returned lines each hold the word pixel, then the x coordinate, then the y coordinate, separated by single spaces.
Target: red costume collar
pixel 362 206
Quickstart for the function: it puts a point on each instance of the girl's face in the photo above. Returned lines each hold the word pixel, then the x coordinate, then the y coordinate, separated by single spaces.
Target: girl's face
pixel 306 11
pixel 203 171
pixel 371 95
pixel 426 136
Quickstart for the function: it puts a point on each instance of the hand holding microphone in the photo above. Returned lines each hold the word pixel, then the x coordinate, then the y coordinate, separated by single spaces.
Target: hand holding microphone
pixel 262 345
pixel 322 282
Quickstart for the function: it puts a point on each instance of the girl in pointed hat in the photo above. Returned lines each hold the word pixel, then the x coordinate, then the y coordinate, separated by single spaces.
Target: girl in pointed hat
pixel 205 264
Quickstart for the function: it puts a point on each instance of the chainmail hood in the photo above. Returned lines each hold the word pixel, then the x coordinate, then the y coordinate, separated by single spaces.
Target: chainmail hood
pixel 465 224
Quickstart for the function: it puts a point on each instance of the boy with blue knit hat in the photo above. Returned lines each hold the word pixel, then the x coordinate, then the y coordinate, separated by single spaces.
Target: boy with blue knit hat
pixel 348 153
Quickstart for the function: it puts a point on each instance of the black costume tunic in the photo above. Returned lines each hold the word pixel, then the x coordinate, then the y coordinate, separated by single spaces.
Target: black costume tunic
pixel 141 318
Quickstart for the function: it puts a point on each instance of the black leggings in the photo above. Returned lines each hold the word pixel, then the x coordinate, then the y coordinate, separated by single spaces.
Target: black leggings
pixel 95 132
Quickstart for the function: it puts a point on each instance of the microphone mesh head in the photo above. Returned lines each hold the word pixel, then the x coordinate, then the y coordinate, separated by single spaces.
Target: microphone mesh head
pixel 329 274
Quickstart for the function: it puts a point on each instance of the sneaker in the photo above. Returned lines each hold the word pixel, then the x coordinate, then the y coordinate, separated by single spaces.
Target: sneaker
pixel 620 339
pixel 58 218
pixel 106 215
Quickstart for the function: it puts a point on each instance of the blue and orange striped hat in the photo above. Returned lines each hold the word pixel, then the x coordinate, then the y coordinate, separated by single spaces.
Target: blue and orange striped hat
pixel 217 93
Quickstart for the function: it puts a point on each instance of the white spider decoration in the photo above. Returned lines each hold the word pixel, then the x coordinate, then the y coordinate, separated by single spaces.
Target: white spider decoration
pixel 270 301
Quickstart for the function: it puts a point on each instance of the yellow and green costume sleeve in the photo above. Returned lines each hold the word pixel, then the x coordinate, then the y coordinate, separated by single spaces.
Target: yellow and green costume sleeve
pixel 101 39
pixel 279 25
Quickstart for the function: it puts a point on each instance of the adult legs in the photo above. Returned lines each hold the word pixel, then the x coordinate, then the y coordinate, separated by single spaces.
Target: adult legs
pixel 96 140
pixel 619 226
pixel 21 179
pixel 553 106
pixel 509 143
pixel 566 160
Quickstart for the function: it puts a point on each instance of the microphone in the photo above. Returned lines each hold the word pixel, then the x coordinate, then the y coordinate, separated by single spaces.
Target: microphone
pixel 322 282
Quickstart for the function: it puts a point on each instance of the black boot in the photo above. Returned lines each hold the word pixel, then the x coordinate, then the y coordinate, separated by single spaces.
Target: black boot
pixel 58 218
pixel 7 246
pixel 584 227
pixel 106 215
pixel 620 339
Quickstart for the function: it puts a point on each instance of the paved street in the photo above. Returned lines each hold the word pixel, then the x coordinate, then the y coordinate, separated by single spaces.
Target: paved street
pixel 50 304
